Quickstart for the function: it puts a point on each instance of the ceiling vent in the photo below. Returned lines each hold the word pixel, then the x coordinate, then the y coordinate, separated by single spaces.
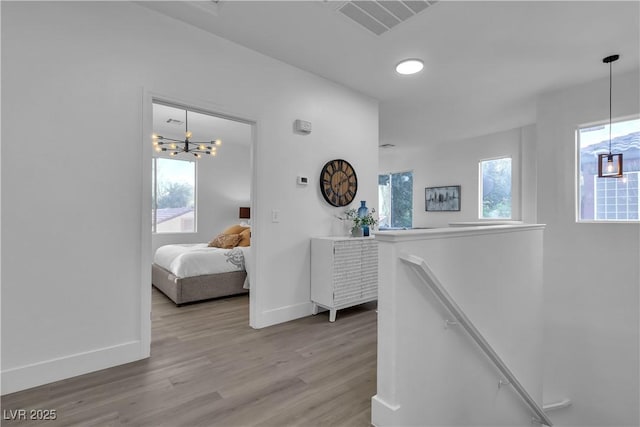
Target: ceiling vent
pixel 380 16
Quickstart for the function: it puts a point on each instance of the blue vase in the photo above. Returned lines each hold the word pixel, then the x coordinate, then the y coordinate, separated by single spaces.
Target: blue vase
pixel 363 210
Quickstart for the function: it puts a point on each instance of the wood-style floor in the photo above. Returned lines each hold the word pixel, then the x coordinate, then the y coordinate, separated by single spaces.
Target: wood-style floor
pixel 209 368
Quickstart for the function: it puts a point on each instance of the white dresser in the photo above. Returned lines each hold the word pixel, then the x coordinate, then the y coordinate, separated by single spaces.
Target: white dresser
pixel 344 272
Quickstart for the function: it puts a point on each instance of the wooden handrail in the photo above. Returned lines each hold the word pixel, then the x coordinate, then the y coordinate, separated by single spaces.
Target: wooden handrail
pixel 425 273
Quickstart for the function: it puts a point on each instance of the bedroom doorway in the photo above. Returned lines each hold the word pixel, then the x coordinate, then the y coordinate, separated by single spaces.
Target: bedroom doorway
pixel 199 175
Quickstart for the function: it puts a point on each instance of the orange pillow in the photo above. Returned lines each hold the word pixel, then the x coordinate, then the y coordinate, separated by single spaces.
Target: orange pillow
pixel 245 237
pixel 234 229
pixel 225 241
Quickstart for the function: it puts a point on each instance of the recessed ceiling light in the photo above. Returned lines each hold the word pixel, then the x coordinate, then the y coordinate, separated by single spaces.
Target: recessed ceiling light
pixel 410 66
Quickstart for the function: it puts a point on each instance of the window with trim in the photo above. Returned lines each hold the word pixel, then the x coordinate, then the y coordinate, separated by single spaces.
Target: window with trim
pixel 395 199
pixel 495 188
pixel 608 199
pixel 174 202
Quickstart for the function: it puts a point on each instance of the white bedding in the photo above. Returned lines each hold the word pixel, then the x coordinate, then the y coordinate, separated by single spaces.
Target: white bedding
pixel 198 259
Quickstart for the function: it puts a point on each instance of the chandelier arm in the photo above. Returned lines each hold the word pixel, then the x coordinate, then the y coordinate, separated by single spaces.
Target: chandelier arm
pixel 170 139
pixel 176 150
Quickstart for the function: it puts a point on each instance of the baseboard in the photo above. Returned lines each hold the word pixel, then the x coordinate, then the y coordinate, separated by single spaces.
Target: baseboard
pixel 284 314
pixel 48 371
pixel 382 413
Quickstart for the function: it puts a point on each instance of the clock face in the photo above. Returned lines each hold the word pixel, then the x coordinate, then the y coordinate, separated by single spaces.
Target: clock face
pixel 338 182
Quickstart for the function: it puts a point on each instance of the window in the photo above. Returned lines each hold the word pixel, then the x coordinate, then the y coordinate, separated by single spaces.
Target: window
pixel 495 188
pixel 173 206
pixel 617 199
pixel 608 199
pixel 395 195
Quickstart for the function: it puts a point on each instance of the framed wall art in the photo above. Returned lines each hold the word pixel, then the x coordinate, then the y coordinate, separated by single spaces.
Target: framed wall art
pixel 442 199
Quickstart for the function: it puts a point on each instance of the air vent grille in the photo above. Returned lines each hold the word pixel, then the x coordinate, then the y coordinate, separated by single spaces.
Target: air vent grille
pixel 380 16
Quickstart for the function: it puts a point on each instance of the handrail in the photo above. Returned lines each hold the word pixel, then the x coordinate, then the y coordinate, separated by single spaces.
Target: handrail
pixel 423 270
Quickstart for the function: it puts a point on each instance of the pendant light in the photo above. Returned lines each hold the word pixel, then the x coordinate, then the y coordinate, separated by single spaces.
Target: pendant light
pixel 610 165
pixel 177 146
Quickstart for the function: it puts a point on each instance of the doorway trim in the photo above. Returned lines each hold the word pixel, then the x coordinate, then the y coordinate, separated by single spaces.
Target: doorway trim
pixel 146 258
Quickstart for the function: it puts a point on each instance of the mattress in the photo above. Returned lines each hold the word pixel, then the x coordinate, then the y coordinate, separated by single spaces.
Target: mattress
pixel 198 259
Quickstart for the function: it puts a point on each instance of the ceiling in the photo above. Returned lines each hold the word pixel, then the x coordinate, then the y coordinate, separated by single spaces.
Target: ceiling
pixel 485 62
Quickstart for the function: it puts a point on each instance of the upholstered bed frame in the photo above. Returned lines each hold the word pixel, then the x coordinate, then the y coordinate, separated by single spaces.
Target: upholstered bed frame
pixel 198 288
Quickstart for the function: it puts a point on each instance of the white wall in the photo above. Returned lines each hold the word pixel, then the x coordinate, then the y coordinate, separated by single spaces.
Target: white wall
pixel 432 375
pixel 456 163
pixel 223 185
pixel 591 270
pixel 76 174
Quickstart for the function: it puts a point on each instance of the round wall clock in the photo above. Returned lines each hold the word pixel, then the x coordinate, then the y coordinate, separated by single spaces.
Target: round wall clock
pixel 338 182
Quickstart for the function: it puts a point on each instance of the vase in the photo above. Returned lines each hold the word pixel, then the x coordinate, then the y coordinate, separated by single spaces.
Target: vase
pixel 363 210
pixel 356 232
pixel 365 230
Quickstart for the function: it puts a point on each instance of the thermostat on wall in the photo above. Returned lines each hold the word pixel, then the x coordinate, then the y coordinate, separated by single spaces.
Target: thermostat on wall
pixel 303 180
pixel 302 126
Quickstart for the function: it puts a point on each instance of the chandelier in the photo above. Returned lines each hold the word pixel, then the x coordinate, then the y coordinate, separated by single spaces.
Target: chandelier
pixel 177 146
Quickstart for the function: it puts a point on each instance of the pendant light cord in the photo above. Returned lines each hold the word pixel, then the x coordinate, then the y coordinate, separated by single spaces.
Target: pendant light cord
pixel 610 86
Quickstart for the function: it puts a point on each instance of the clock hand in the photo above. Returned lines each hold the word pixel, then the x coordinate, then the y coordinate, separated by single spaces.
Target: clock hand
pixel 339 183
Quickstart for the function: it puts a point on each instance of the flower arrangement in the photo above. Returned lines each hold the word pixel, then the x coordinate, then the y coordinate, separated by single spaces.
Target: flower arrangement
pixel 367 221
pixel 349 215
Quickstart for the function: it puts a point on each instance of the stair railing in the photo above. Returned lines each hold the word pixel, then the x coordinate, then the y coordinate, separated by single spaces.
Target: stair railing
pixel 425 273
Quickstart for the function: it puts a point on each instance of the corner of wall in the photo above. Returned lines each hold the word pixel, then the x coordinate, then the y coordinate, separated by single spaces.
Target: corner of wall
pixel 47 371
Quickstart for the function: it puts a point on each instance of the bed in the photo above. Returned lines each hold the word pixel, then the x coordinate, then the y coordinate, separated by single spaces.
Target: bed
pixel 194 272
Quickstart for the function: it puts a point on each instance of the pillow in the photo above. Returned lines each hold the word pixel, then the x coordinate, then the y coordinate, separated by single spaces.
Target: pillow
pixel 225 241
pixel 234 229
pixel 245 237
